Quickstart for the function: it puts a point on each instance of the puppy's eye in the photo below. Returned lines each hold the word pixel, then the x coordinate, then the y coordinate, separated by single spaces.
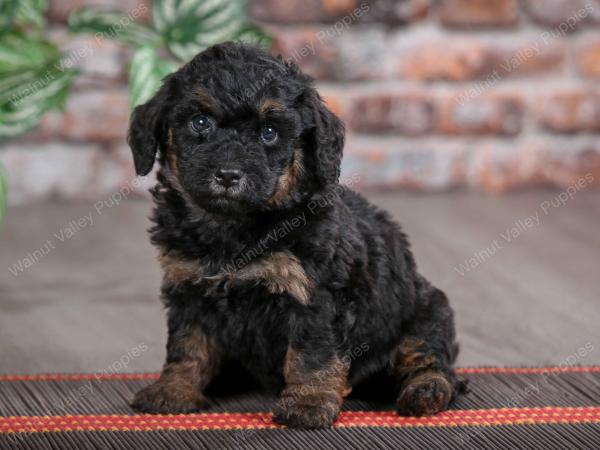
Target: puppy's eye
pixel 268 134
pixel 201 124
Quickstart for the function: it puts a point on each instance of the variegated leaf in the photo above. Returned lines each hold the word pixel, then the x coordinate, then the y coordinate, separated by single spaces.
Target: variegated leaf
pixel 111 24
pixel 255 35
pixel 32 11
pixel 8 11
pixel 21 113
pixel 146 72
pixel 189 26
pixel 19 52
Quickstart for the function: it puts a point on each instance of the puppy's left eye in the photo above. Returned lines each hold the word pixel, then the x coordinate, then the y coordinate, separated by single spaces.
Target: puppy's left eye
pixel 268 134
pixel 201 124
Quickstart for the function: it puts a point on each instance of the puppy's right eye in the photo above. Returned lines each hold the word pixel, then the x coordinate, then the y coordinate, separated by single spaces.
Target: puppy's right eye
pixel 201 124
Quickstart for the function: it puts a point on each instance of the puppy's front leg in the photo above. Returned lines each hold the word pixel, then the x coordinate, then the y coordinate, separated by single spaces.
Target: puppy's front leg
pixel 193 359
pixel 314 390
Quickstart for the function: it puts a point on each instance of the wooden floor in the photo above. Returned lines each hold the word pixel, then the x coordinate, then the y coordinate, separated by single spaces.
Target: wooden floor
pixel 530 294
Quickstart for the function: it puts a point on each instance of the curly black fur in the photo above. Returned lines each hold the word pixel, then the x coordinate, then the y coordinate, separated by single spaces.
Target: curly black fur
pixel 296 277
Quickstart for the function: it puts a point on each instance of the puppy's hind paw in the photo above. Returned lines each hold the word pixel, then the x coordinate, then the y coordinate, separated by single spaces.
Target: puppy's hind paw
pixel 165 398
pixel 424 395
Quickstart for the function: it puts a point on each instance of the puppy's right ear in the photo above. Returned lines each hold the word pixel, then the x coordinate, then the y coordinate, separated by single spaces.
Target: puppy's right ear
pixel 147 130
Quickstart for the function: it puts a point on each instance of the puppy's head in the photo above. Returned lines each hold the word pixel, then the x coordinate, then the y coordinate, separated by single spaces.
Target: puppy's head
pixel 239 131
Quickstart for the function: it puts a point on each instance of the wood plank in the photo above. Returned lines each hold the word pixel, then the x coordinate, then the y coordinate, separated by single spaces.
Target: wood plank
pixel 94 297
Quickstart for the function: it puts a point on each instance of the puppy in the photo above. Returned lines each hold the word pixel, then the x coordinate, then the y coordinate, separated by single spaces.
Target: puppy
pixel 267 260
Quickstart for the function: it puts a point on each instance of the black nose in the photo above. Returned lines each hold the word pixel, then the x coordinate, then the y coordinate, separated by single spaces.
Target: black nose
pixel 228 178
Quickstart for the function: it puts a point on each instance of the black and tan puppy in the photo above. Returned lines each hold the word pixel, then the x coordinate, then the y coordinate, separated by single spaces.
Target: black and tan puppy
pixel 267 260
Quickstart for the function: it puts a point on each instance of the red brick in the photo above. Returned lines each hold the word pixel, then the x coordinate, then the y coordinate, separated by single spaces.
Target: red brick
pixel 461 59
pixel 96 115
pixel 363 55
pixel 349 55
pixel 588 58
pixel 405 113
pixel 567 15
pixel 529 56
pixel 479 13
pixel 335 100
pixel 95 58
pixel 388 163
pixel 394 12
pixel 301 11
pixel 38 171
pixel 94 112
pixel 488 114
pixel 59 10
pixel 49 129
pixel 391 12
pixel 302 46
pixel 540 161
pixel 570 111
pixel 366 54
pixel 441 57
pixel 494 167
pixel 564 162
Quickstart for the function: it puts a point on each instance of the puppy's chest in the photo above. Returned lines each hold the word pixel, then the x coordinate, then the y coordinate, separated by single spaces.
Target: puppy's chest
pixel 279 272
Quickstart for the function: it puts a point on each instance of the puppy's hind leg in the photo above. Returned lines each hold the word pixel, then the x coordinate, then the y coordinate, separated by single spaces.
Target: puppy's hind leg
pixel 422 362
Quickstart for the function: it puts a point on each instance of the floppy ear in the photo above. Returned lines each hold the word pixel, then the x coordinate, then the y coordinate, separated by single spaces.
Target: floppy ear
pixel 325 141
pixel 146 131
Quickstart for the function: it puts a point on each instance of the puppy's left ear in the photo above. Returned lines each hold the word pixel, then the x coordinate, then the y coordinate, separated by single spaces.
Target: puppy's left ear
pixel 325 141
pixel 147 130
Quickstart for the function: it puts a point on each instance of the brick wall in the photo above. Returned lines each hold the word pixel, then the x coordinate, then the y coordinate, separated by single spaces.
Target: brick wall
pixel 486 94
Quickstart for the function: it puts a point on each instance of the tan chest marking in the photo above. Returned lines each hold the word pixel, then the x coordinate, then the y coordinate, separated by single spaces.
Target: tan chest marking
pixel 279 272
pixel 177 270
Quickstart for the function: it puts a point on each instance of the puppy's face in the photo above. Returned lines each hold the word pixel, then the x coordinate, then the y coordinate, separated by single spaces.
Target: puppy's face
pixel 233 155
pixel 239 131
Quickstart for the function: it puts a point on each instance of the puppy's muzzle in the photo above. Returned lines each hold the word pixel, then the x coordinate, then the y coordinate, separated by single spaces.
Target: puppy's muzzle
pixel 228 177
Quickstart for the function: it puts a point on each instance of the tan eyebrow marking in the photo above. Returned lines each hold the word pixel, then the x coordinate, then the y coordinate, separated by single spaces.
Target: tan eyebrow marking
pixel 271 105
pixel 207 100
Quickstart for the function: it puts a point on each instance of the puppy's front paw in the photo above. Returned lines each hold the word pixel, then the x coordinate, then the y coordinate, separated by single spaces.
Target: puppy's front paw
pixel 168 398
pixel 308 411
pixel 425 395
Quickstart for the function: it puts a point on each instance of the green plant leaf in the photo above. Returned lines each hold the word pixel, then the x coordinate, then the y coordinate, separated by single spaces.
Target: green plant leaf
pixel 23 111
pixel 111 24
pixel 8 11
pixel 19 52
pixel 189 26
pixel 146 72
pixel 254 35
pixel 15 87
pixel 32 80
pixel 32 11
pixel 27 65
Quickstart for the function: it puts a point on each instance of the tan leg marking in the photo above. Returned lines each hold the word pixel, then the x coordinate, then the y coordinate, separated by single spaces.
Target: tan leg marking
pixel 311 399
